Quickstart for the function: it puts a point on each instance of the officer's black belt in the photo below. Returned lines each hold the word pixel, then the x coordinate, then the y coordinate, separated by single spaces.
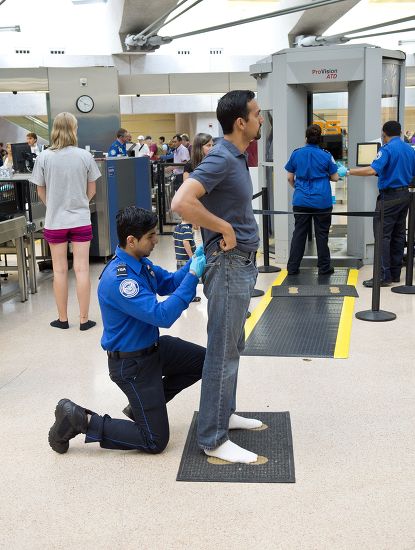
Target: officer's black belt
pixel 138 353
pixel 393 189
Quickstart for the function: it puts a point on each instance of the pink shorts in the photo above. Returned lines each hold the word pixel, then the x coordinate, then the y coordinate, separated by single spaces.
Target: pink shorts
pixel 74 234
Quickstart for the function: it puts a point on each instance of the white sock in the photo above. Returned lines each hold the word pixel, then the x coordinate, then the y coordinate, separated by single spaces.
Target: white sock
pixel 232 453
pixel 240 423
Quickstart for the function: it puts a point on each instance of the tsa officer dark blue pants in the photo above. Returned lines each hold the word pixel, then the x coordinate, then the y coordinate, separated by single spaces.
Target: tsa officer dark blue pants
pixel 322 224
pixel 394 230
pixel 149 382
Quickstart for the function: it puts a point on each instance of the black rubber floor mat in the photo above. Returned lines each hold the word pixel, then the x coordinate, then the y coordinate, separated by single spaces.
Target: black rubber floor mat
pixel 300 291
pixel 273 445
pixel 311 277
pixel 306 327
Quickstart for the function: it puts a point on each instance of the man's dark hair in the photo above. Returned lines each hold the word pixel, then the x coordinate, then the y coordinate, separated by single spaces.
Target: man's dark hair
pixel 178 137
pixel 121 132
pixel 313 134
pixel 232 106
pixel 392 128
pixel 162 138
pixel 147 137
pixel 31 135
pixel 134 221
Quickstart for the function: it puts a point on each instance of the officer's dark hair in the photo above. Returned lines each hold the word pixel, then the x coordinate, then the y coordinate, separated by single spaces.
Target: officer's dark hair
pixel 134 221
pixel 313 134
pixel 121 132
pixel 392 128
pixel 232 106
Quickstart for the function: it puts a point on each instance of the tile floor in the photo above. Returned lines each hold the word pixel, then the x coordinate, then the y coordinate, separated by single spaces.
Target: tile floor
pixel 353 430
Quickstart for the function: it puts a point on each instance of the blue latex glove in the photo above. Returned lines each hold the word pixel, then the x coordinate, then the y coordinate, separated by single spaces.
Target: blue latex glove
pixel 197 265
pixel 199 250
pixel 341 170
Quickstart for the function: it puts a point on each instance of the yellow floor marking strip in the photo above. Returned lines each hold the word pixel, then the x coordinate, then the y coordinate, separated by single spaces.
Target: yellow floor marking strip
pixel 263 304
pixel 341 351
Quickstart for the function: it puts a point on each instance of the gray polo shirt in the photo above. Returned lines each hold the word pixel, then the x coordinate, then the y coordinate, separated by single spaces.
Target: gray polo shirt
pixel 224 174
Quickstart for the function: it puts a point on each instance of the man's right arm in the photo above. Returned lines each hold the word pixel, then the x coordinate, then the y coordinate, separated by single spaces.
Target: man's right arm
pixel 186 202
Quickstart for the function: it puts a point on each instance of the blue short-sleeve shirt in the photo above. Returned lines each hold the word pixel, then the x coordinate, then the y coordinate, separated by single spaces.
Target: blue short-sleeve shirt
pixel 395 164
pixel 312 167
pixel 224 174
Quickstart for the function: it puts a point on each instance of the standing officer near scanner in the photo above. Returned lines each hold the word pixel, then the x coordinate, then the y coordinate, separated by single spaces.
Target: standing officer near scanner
pixel 149 369
pixel 395 168
pixel 310 170
pixel 119 146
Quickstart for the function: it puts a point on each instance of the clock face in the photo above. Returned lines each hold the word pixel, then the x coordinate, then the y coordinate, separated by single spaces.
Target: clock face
pixel 85 103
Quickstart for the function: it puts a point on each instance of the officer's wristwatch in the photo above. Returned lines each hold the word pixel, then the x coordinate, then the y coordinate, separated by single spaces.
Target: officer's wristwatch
pixel 347 172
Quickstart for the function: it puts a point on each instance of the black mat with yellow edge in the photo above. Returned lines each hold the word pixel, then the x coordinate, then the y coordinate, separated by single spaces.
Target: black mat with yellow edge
pixel 304 315
pixel 272 443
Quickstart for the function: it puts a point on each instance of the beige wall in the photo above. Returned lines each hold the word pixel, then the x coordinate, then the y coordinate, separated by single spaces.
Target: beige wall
pixel 154 125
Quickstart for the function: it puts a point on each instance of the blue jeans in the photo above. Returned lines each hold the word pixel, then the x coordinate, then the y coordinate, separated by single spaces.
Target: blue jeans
pixel 229 279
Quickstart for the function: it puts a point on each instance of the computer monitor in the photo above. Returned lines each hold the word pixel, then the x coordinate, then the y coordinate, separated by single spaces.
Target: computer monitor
pixel 333 144
pixel 366 153
pixel 22 157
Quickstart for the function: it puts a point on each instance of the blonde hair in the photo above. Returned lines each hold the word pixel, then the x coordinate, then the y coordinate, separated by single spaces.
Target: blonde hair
pixel 64 131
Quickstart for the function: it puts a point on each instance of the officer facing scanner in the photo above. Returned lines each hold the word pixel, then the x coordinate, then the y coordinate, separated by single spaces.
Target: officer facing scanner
pixel 310 170
pixel 149 369
pixel 119 146
pixel 395 168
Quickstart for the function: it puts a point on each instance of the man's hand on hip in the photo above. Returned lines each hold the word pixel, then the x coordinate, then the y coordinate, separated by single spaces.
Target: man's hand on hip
pixel 229 239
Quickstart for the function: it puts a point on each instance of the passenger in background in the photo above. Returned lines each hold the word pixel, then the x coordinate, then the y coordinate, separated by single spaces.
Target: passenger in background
pixel 142 149
pixel 31 139
pixel 408 136
pixel 152 147
pixel 65 175
pixel 166 154
pixel 181 153
pixel 8 159
pixel 119 146
pixel 202 144
pixel 309 172
pixel 186 143
pixel 164 148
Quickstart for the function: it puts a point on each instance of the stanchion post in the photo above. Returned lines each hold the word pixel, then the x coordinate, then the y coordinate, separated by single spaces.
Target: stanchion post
pixel 160 199
pixel 266 268
pixel 376 314
pixel 408 287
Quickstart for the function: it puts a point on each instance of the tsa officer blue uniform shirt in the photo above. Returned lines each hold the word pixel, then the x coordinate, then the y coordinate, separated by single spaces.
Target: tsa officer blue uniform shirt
pixel 127 295
pixel 312 167
pixel 395 164
pixel 116 149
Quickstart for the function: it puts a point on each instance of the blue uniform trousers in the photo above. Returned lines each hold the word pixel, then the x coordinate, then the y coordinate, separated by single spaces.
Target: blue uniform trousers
pixel 394 231
pixel 149 382
pixel 322 224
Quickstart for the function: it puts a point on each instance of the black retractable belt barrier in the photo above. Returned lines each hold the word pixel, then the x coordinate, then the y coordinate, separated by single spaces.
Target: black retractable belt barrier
pixel 266 268
pixel 408 287
pixel 374 314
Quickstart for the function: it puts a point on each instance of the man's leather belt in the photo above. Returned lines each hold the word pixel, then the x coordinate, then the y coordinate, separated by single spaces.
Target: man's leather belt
pixel 138 353
pixel 216 247
pixel 394 189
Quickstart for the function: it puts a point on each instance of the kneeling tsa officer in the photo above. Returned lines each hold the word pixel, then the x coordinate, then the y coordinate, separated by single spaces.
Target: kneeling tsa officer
pixel 149 369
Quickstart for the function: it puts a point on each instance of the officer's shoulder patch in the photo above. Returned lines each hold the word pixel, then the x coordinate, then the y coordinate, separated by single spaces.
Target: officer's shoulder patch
pixel 122 270
pixel 113 152
pixel 129 288
pixel 378 155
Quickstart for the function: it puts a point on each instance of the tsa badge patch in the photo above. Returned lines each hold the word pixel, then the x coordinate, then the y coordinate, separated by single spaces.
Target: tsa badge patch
pixel 379 155
pixel 129 288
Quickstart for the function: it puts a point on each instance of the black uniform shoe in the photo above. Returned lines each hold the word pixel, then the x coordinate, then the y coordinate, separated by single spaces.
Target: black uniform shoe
pixel 128 411
pixel 329 271
pixel 295 272
pixel 71 420
pixel 369 283
pixel 396 279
